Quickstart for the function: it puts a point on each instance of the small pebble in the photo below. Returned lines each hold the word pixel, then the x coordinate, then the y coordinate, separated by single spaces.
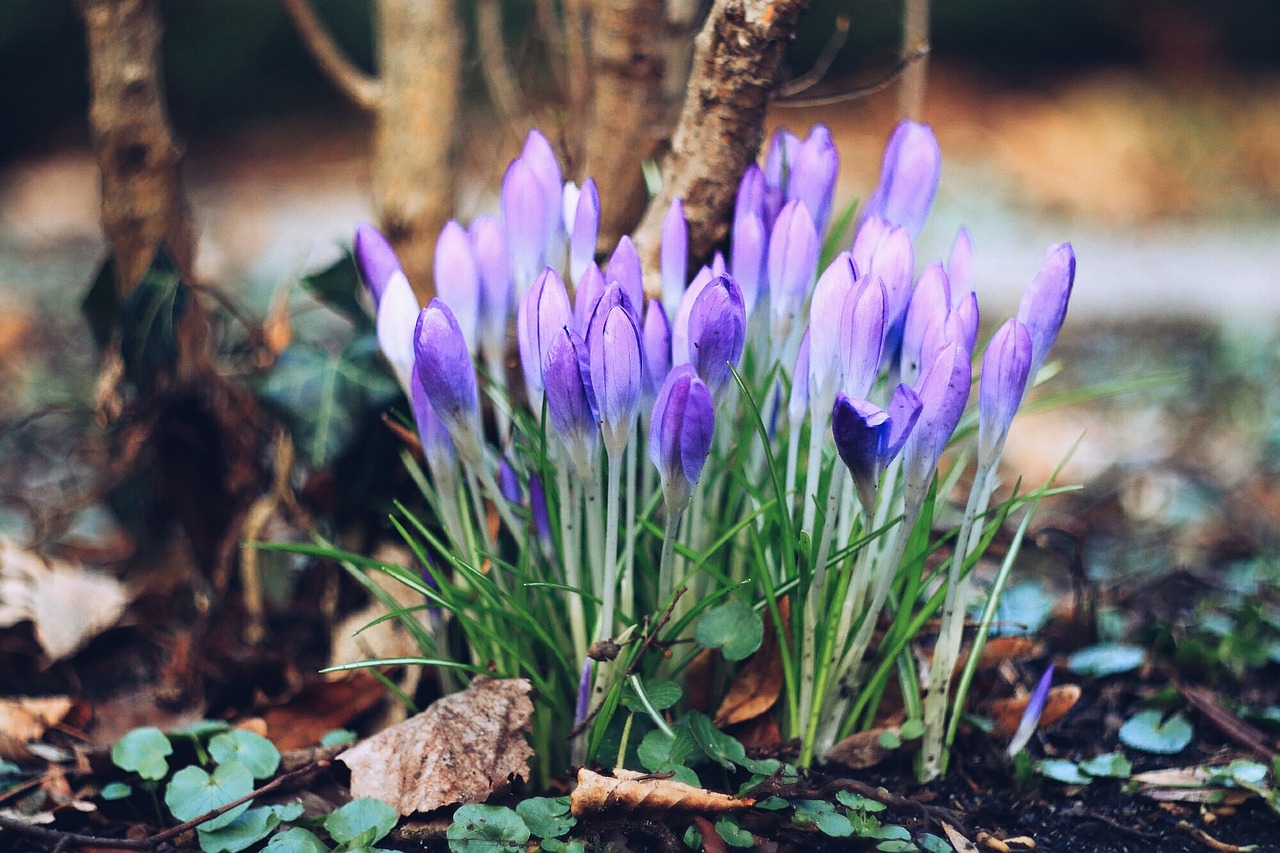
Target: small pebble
pixel 990 841
pixel 1022 841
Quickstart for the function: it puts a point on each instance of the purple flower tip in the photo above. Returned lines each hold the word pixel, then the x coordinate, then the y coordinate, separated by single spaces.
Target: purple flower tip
pixel 1006 368
pixel 908 177
pixel 1044 305
pixel 570 398
pixel 1031 715
pixel 680 431
pixel 443 366
pixel 376 259
pixel 616 373
pixel 717 331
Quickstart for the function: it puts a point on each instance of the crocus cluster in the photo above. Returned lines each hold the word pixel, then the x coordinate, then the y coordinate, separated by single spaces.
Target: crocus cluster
pixel 865 359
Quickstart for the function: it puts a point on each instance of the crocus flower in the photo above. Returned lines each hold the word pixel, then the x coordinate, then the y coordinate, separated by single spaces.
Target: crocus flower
pixel 680 323
pixel 538 509
pixel 779 161
pixel 675 254
pixel 524 212
pixel 751 195
pixel 586 225
pixel 490 247
pixel 617 374
pixel 1006 366
pixel 1032 713
pixel 570 399
pixel 680 432
pixel 657 347
pixel 717 331
pixel 538 154
pixel 960 263
pixel 863 319
pixel 747 256
pixel 590 289
pixel 458 280
pixel 813 175
pixel 962 322
pixel 584 693
pixel 543 312
pixel 1044 305
pixel 908 177
pixel 509 483
pixel 825 325
pixel 931 301
pixel 884 250
pixel 437 447
pixel 792 262
pixel 396 305
pixel 868 438
pixel 444 369
pixel 943 390
pixel 624 268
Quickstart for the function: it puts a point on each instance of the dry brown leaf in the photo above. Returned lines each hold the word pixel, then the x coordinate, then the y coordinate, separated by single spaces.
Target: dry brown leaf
pixel 861 749
pixel 1187 785
pixel 26 719
pixel 997 650
pixel 711 840
pixel 389 638
pixel 67 604
pixel 321 706
pixel 758 684
pixel 958 841
pixel 1006 714
pixel 629 790
pixel 463 749
pixel 699 680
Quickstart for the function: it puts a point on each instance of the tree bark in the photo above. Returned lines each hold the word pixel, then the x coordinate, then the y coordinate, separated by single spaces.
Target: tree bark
pixel 736 60
pixel 415 139
pixel 140 162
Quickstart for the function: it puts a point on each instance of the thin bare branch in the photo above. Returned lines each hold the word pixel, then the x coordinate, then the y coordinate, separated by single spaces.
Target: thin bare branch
pixel 360 88
pixel 879 84
pixel 822 64
pixel 498 74
pixel 915 42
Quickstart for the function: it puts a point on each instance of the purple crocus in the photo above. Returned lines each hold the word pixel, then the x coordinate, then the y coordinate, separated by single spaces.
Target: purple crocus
pixel 680 323
pixel 908 177
pixel 376 260
pixel 586 225
pixel 779 161
pixel 930 303
pixel 524 212
pixel 590 289
pixel 675 255
pixel 680 431
pixel 884 250
pixel 813 175
pixel 792 263
pixel 943 390
pixel 1006 366
pixel 960 262
pixel 437 447
pixel 538 154
pixel 657 347
pixel 624 268
pixel 826 325
pixel 717 331
pixel 868 438
pixel 1032 713
pixel 747 257
pixel 509 483
pixel 570 399
pixel 584 693
pixel 458 280
pixel 443 367
pixel 962 322
pixel 490 246
pixel 617 373
pixel 396 306
pixel 543 312
pixel 538 510
pixel 1044 305
pixel 863 319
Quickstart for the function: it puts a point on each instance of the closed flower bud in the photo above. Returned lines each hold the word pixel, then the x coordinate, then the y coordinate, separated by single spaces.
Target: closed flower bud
pixel 862 329
pixel 490 247
pixel 616 374
pixel 813 175
pixel 675 255
pixel 443 367
pixel 943 390
pixel 524 213
pixel 1006 366
pixel 586 225
pixel 570 399
pixel 457 279
pixel 908 177
pixel 680 431
pixel 624 268
pixel 1044 305
pixel 930 301
pixel 826 326
pixel 792 263
pixel 717 331
pixel 657 347
pixel 543 312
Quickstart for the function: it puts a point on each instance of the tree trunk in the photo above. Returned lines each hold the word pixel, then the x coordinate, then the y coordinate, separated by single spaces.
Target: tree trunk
pixel 415 140
pixel 141 163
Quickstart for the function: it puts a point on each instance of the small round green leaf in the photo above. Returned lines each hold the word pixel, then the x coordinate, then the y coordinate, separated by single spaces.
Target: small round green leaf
pixel 116 791
pixel 733 627
pixel 1060 770
pixel 662 694
pixel 1146 731
pixel 192 793
pixel 772 804
pixel 931 843
pixel 546 817
pixel 338 737
pixel 296 840
pixel 362 822
pixel 897 845
pixel 890 831
pixel 252 750
pixel 911 729
pixel 485 829
pixel 246 830
pixel 1111 764
pixel 889 739
pixel 143 751
pixel 734 835
pixel 1106 659
pixel 858 802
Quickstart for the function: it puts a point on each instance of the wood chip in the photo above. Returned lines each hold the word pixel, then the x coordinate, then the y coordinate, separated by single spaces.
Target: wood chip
pixel 627 790
pixel 463 749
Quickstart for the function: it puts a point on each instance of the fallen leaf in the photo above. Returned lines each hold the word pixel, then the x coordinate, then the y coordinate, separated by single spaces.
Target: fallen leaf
pixel 26 719
pixel 67 604
pixel 699 680
pixel 958 841
pixel 711 840
pixel 321 706
pixel 758 684
pixel 759 735
pixel 629 790
pixel 861 750
pixel 1006 714
pixel 462 749
pixel 352 639
pixel 997 650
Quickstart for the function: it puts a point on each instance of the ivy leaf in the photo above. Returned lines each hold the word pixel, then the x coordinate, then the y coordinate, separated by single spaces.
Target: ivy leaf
pixel 733 627
pixel 546 817
pixel 192 793
pixel 143 751
pixel 362 822
pixel 338 287
pixel 1146 731
pixel 252 750
pixel 734 835
pixel 296 840
pixel 1106 659
pixel 485 829
pixel 149 318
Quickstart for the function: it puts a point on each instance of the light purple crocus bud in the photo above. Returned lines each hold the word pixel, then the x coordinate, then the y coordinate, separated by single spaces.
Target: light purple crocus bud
pixel 943 390
pixel 509 483
pixel 437 447
pixel 798 403
pixel 543 312
pixel 570 399
pixel 779 161
pixel 813 175
pixel 376 260
pixel 930 302
pixel 862 323
pixel 960 264
pixel 675 254
pixel 717 331
pixel 751 194
pixel 680 325
pixel 1044 305
pixel 893 261
pixel 458 280
pixel 868 438
pixel 541 158
pixel 908 177
pixel 443 366
pixel 826 326
pixel 718 265
pixel 1006 366
pixel 962 322
pixel 617 374
pixel 747 256
pixel 657 347
pixel 680 431
pixel 538 509
pixel 490 247
pixel 1032 713
pixel 792 263
pixel 590 289
pixel 624 268
pixel 586 226
pixel 524 213
pixel 396 305
pixel 584 693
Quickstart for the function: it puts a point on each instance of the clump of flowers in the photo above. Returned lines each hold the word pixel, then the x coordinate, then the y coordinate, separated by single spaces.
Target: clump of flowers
pixel 796 406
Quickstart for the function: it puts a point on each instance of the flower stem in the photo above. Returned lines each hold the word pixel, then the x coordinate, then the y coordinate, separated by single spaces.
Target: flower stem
pixel 570 519
pixel 610 555
pixel 666 581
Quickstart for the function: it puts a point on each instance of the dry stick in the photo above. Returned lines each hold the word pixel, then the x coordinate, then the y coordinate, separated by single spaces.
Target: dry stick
pixel 822 64
pixel 915 40
pixel 360 88
pixel 879 84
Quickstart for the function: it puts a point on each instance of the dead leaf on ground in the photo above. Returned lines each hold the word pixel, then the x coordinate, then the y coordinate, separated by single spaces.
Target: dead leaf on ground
pixel 629 790
pixel 711 840
pixel 997 650
pixel 699 680
pixel 26 719
pixel 1187 785
pixel 67 604
pixel 861 750
pixel 1006 714
pixel 958 841
pixel 758 684
pixel 320 707
pixel 351 640
pixel 463 749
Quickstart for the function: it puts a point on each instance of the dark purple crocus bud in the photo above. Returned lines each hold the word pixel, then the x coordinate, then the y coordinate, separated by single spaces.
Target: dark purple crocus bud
pixel 825 326
pixel 792 263
pixel 868 438
pixel 396 306
pixel 657 347
pixel 930 302
pixel 538 509
pixel 587 297
pixel 457 279
pixel 943 390
pixel 524 214
pixel 717 331
pixel 617 373
pixel 675 255
pixel 571 400
pixel 863 319
pixel 543 312
pixel 1006 367
pixel 586 225
pixel 960 263
pixel 1032 713
pixel 437 447
pixel 443 367
pixel 908 177
pixel 509 483
pixel 813 175
pixel 376 260
pixel 680 431
pixel 1044 305
pixel 490 247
